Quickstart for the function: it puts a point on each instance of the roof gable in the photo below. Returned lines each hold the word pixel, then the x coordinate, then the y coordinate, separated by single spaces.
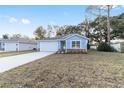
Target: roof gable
pixel 71 35
pixel 63 37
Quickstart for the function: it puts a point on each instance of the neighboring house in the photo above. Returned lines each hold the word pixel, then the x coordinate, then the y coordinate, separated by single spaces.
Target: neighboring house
pixel 17 45
pixel 69 43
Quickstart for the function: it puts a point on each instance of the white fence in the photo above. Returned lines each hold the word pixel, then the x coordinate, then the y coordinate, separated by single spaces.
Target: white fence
pixel 116 46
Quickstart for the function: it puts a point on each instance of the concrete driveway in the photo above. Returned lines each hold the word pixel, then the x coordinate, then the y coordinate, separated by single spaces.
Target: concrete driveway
pixel 7 63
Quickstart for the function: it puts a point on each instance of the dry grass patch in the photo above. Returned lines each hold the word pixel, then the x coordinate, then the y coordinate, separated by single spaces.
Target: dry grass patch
pixel 95 69
pixel 5 54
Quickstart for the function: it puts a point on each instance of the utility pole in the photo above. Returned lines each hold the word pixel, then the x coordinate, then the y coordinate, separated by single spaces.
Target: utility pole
pixel 99 20
pixel 108 24
pixel 87 28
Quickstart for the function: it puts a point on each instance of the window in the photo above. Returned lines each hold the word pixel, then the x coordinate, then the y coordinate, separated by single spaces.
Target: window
pixel 75 44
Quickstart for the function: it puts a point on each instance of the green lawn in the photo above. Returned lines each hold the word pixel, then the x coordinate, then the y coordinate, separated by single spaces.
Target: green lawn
pixel 95 69
pixel 5 54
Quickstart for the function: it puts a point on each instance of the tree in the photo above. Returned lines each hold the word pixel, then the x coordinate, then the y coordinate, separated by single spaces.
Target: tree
pixel 56 29
pixel 99 32
pixel 19 36
pixel 5 36
pixel 25 37
pixel 117 24
pixel 109 8
pixel 94 12
pixel 60 31
pixel 69 29
pixel 40 33
pixel 50 31
pixel 121 26
pixel 16 36
pixel 102 12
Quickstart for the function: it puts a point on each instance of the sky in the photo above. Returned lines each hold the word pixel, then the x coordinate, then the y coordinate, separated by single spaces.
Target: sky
pixel 24 20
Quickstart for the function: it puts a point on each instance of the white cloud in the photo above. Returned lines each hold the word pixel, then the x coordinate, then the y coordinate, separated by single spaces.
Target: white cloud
pixel 25 21
pixel 9 18
pixel 12 20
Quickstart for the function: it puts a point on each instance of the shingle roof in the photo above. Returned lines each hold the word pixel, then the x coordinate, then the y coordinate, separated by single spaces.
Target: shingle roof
pixel 61 37
pixel 18 40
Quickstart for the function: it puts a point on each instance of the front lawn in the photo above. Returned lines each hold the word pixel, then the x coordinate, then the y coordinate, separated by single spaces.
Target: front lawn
pixel 95 69
pixel 5 54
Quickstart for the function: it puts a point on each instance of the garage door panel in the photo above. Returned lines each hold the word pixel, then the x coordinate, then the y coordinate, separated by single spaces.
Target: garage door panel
pixel 48 46
pixel 11 47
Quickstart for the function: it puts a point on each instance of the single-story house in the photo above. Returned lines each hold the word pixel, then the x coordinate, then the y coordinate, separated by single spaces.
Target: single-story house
pixel 7 45
pixel 69 43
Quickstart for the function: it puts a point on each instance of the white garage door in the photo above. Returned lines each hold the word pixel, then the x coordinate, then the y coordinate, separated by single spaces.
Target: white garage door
pixel 11 47
pixel 49 46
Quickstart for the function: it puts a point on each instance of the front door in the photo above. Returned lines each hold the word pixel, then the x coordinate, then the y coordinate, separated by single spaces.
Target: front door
pixel 63 44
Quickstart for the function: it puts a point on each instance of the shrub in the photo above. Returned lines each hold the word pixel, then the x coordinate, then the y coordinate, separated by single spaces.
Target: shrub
pixel 34 49
pixel 122 47
pixel 105 47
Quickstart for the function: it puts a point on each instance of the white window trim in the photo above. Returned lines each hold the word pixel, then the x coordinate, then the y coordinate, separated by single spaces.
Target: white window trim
pixel 75 47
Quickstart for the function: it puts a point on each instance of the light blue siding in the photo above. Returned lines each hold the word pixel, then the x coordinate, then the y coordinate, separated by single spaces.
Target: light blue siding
pixel 83 42
pixel 59 45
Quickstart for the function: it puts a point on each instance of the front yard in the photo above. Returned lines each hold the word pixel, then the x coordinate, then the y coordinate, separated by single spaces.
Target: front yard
pixel 95 69
pixel 5 54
